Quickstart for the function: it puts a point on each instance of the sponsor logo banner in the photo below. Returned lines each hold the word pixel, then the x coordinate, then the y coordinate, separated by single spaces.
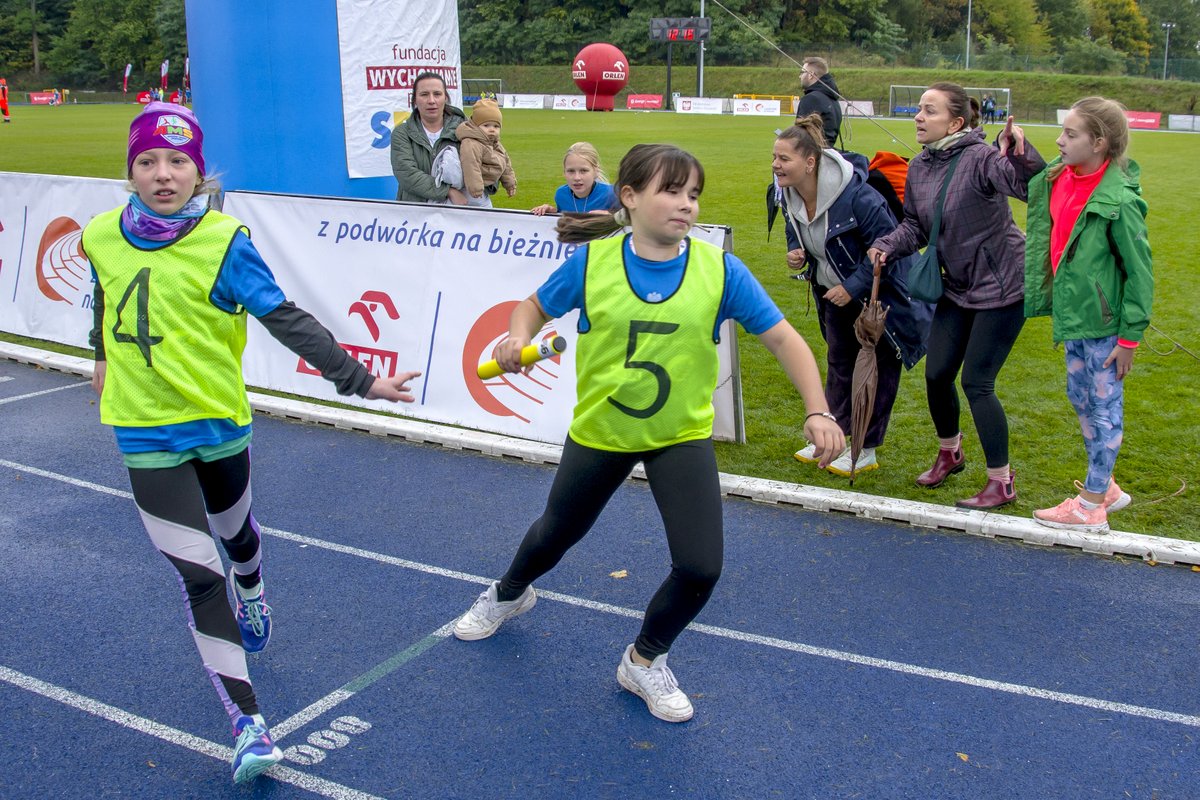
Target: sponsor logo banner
pixel 644 101
pixel 46 285
pixel 1143 119
pixel 570 102
pixel 383 47
pixel 523 101
pixel 699 105
pixel 761 108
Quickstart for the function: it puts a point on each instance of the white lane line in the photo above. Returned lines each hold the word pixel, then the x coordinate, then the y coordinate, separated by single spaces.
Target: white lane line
pixel 725 633
pixel 353 687
pixel 5 378
pixel 174 736
pixel 43 391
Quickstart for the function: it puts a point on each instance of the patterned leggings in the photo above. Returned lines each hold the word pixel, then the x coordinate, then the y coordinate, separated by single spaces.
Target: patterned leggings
pixel 1099 401
pixel 179 507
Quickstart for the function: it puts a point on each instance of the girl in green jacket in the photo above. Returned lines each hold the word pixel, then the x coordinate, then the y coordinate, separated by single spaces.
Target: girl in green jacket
pixel 1087 265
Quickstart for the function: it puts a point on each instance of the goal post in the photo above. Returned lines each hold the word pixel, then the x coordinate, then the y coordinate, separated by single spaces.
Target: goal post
pixel 904 101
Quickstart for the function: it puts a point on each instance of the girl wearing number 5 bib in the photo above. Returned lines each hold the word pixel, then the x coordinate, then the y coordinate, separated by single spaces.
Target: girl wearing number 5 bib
pixel 179 279
pixel 651 303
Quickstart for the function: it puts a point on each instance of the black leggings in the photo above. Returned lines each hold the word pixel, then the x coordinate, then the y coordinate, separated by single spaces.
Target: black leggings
pixel 978 342
pixel 179 506
pixel 683 479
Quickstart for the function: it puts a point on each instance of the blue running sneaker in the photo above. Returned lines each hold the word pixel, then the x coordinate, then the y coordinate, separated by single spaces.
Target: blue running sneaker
pixel 253 617
pixel 253 753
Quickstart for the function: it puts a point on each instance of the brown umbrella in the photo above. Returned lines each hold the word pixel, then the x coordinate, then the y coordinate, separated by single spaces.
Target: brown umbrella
pixel 868 329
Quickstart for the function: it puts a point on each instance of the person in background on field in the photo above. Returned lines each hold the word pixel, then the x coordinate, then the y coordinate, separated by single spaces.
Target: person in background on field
pixel 4 100
pixel 981 253
pixel 480 162
pixel 1088 266
pixel 428 130
pixel 989 108
pixel 180 278
pixel 654 299
pixel 820 97
pixel 832 217
pixel 587 190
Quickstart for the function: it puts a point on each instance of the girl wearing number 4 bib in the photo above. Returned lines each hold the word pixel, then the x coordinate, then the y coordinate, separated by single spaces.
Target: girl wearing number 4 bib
pixel 179 279
pixel 651 303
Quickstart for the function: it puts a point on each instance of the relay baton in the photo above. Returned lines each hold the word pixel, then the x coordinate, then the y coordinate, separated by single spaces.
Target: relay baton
pixel 530 354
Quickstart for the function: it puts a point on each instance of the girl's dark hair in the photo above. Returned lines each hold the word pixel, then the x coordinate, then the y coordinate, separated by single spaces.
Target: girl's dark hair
pixel 667 166
pixel 959 103
pixel 423 76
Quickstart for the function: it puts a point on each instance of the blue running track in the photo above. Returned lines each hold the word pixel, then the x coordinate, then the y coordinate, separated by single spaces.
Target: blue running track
pixel 838 658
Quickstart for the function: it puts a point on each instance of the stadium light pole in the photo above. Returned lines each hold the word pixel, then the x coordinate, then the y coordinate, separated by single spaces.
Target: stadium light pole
pixel 700 60
pixel 968 65
pixel 1166 47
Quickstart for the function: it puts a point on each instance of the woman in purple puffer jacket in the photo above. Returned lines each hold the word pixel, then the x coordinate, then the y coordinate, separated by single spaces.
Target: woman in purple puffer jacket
pixel 982 256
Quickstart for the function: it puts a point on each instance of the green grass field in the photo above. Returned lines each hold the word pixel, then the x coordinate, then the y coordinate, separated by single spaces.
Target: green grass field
pixel 1158 462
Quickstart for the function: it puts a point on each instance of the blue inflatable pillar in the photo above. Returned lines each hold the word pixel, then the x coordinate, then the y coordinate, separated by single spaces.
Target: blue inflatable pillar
pixel 266 87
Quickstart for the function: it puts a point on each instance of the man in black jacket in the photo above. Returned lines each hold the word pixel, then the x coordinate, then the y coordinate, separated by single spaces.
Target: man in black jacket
pixel 820 96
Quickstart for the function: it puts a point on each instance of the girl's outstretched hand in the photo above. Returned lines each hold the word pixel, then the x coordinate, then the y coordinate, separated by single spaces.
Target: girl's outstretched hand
pixel 827 436
pixel 542 210
pixel 394 389
pixel 1012 136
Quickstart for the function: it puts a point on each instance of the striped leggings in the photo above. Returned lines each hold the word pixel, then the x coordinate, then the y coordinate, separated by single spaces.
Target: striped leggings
pixel 179 507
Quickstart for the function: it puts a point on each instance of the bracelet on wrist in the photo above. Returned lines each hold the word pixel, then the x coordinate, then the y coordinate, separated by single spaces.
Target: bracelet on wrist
pixel 825 414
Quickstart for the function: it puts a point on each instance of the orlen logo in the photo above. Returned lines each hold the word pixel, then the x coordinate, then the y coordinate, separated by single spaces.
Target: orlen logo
pixel 580 71
pixel 63 274
pixel 513 394
pixel 380 363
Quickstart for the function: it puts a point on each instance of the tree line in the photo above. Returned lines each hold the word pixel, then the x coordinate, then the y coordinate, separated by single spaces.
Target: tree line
pixel 87 43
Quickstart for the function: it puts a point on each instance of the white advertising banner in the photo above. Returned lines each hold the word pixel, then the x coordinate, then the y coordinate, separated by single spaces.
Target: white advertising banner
pixel 46 284
pixel 570 102
pixel 760 108
pixel 1183 122
pixel 401 286
pixel 699 105
pixel 382 47
pixel 523 100
pixel 857 108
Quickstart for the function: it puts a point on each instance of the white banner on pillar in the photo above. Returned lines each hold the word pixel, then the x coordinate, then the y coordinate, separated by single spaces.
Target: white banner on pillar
pixel 383 46
pixel 401 286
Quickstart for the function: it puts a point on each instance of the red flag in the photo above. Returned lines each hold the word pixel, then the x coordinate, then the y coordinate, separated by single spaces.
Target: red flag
pixel 165 65
pixel 125 85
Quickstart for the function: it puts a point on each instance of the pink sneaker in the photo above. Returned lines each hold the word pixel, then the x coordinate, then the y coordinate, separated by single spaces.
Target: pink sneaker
pixel 1071 515
pixel 1114 498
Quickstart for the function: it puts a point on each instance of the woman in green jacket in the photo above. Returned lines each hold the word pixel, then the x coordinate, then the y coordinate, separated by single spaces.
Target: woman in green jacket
pixel 415 142
pixel 1087 266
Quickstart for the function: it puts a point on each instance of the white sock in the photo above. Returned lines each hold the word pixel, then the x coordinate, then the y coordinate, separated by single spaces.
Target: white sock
pixel 1088 504
pixel 247 594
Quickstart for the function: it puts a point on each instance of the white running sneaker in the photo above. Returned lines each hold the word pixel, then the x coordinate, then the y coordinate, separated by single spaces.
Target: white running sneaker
pixel 656 685
pixel 487 614
pixel 841 464
pixel 807 454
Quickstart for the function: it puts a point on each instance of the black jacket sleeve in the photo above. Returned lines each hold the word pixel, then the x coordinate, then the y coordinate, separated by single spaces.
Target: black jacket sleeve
pixel 300 332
